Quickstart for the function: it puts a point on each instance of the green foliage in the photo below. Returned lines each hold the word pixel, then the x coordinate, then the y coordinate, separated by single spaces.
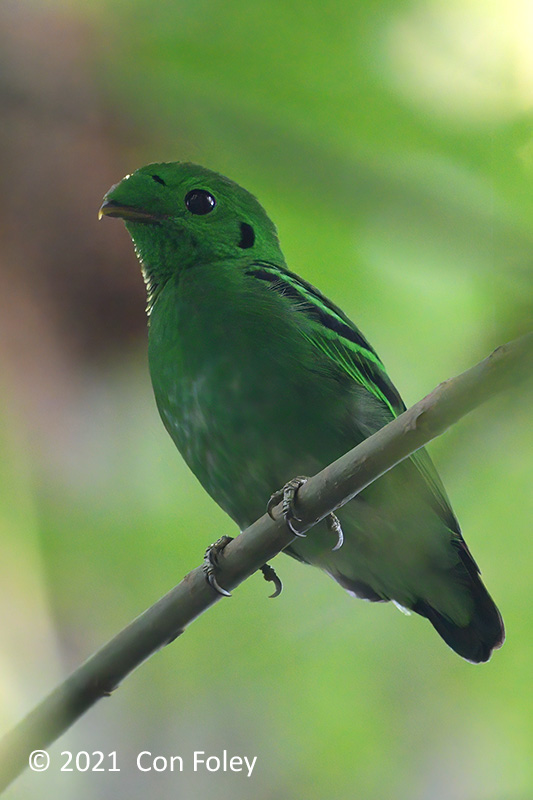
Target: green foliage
pixel 390 140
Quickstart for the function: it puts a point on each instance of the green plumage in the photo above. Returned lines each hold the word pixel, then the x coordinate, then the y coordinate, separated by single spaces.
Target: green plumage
pixel 258 378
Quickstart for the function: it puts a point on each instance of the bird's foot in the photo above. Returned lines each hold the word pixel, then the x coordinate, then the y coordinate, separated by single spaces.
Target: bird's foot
pixel 286 496
pixel 269 574
pixel 211 566
pixel 211 557
pixel 334 525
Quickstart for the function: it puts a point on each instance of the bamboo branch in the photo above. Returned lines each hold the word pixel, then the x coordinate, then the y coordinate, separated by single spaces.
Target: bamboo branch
pixel 330 489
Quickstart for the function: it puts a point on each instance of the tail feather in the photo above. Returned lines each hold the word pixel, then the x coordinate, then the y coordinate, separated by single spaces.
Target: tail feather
pixel 474 641
pixel 483 634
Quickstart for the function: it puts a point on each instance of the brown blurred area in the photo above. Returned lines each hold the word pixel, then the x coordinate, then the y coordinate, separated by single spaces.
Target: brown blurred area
pixel 70 290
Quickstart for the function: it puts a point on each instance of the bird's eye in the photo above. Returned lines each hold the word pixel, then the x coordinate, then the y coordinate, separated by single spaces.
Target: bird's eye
pixel 198 201
pixel 157 179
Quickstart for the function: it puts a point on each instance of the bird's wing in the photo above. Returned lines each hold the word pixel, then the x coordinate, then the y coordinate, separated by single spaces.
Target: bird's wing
pixel 332 332
pixel 335 335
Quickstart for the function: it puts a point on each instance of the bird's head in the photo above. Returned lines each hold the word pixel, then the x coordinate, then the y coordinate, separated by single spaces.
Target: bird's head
pixel 180 215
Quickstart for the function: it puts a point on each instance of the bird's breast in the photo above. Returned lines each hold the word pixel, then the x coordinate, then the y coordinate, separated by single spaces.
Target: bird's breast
pixel 236 394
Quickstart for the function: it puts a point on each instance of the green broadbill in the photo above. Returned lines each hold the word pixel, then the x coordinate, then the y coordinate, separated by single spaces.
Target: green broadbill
pixel 258 378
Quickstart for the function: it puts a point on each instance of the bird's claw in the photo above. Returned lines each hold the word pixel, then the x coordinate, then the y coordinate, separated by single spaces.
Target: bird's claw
pixel 334 525
pixel 211 564
pixel 269 574
pixel 286 496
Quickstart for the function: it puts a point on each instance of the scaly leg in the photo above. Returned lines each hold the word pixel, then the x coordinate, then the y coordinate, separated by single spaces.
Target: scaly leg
pixel 211 565
pixel 286 496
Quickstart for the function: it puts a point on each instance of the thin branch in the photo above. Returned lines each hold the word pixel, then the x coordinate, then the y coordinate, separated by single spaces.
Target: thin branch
pixel 331 488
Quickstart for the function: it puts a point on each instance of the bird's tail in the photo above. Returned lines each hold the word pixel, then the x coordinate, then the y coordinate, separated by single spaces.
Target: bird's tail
pixel 475 637
pixel 484 632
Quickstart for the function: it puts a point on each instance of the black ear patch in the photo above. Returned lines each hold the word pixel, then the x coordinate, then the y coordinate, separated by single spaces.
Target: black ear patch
pixel 247 236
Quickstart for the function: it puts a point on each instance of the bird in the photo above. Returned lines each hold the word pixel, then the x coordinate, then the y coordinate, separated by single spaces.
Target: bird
pixel 259 379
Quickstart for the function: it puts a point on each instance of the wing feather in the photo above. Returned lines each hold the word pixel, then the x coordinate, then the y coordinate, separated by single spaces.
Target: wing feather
pixel 336 336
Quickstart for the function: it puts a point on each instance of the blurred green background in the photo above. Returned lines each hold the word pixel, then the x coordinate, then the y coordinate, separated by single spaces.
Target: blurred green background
pixel 392 143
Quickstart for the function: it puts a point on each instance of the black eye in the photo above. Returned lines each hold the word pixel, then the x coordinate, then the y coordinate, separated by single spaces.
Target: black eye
pixel 198 201
pixel 157 179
